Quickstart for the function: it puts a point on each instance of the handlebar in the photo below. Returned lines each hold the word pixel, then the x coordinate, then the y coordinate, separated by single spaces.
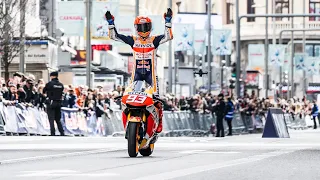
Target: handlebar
pixel 118 97
pixel 158 99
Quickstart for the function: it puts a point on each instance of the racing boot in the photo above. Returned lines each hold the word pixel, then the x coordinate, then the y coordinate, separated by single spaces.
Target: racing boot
pixel 159 128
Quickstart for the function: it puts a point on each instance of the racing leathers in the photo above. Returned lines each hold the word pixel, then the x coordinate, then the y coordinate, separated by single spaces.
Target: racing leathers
pixel 144 53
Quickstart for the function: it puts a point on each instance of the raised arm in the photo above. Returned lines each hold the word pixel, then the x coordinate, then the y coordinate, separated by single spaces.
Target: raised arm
pixel 114 35
pixel 167 36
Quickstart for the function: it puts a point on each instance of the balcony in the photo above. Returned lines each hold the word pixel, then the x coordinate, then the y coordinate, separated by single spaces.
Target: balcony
pixel 256 30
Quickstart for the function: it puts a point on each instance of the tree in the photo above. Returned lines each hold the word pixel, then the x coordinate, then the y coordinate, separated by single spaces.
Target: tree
pixel 9 30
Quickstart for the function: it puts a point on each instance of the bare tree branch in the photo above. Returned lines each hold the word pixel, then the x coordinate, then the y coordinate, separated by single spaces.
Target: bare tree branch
pixel 9 28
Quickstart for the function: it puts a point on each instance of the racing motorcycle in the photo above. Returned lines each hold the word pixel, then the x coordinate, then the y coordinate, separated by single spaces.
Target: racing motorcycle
pixel 140 118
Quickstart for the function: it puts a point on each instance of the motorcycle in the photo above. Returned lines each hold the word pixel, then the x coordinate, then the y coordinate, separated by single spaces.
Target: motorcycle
pixel 140 118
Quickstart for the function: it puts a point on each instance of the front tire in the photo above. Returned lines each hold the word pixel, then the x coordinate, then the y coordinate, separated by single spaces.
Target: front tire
pixel 148 151
pixel 133 145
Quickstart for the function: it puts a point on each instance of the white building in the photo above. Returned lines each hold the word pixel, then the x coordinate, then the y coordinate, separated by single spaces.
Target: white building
pixel 253 29
pixel 36 52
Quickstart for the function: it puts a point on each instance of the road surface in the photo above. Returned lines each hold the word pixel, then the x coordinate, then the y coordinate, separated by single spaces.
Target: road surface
pixel 243 157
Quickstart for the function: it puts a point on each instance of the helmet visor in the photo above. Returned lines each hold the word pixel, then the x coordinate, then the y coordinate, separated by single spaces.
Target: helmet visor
pixel 146 27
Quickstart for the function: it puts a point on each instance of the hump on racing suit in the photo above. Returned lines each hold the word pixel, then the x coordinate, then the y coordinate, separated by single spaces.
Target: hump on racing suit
pixel 144 53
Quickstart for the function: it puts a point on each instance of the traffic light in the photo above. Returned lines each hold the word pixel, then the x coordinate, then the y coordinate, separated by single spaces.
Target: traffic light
pixel 285 77
pixel 232 83
pixel 234 70
pixel 200 73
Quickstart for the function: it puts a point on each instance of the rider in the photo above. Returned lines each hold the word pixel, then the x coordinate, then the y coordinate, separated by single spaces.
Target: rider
pixel 144 50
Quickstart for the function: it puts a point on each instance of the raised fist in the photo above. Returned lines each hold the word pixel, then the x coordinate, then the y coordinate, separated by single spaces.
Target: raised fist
pixel 168 15
pixel 109 18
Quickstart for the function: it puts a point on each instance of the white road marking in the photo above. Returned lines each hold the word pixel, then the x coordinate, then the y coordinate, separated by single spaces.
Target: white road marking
pixel 57 173
pixel 207 152
pixel 23 139
pixel 210 167
pixel 66 146
pixel 34 158
pixel 227 144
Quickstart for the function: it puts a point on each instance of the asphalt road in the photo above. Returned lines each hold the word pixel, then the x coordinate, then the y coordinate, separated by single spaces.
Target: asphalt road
pixel 243 157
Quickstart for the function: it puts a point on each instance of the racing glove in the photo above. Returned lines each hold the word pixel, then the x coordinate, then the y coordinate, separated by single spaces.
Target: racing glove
pixel 110 18
pixel 168 16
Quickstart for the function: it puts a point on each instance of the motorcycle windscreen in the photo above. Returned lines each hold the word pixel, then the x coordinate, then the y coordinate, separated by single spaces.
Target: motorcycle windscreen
pixel 140 86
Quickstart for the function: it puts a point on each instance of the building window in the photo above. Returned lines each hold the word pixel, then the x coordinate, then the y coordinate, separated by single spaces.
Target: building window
pixel 250 10
pixel 282 7
pixel 314 8
pixel 230 9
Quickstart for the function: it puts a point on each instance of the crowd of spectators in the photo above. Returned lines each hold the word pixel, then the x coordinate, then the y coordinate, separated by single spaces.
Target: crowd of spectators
pixel 25 89
pixel 248 105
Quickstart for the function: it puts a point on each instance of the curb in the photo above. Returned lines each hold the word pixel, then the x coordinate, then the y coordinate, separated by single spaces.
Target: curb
pixel 73 154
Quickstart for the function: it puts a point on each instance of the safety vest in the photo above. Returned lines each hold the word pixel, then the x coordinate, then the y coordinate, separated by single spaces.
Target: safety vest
pixel 229 114
pixel 316 111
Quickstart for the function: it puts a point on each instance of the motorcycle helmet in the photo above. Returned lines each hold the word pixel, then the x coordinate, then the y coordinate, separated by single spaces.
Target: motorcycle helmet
pixel 143 26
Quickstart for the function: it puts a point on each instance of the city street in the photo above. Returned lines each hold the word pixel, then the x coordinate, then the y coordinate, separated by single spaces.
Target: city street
pixel 237 157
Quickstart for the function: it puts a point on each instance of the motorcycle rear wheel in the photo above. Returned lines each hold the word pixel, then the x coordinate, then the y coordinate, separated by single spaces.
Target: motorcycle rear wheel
pixel 148 151
pixel 133 145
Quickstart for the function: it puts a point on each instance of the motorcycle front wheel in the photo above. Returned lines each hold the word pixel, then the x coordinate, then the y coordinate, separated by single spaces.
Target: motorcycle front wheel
pixel 133 137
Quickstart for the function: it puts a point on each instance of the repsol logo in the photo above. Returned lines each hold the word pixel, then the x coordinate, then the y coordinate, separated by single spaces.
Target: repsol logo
pixel 143 45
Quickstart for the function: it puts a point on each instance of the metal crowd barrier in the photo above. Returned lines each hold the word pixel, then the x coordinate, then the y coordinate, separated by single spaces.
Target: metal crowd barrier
pixel 299 122
pixel 22 120
pixel 31 121
pixel 185 123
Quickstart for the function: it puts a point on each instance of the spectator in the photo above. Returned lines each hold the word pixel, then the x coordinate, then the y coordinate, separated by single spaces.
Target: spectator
pixel 30 91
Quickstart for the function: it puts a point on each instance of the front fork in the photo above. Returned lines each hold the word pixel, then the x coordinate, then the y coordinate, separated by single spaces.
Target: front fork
pixel 141 125
pixel 140 132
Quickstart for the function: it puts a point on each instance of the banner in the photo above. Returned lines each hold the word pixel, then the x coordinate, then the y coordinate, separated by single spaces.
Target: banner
pixel 10 119
pixel 312 65
pixel 71 16
pixel 99 25
pixel 256 56
pixel 199 41
pixel 183 37
pixel 276 54
pixel 74 120
pixel 299 59
pixel 222 42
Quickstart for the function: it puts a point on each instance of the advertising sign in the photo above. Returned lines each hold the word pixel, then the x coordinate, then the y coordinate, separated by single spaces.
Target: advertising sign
pixel 70 17
pixel 299 59
pixel 312 65
pixel 99 25
pixel 222 42
pixel 256 56
pixel 199 42
pixel 252 79
pixel 276 54
pixel 183 37
pixel 275 126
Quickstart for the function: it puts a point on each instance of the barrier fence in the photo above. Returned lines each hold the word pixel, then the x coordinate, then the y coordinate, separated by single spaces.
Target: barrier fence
pixel 22 120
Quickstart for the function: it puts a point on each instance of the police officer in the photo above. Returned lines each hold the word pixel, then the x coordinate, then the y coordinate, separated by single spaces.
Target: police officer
pixel 315 113
pixel 229 115
pixel 220 113
pixel 54 90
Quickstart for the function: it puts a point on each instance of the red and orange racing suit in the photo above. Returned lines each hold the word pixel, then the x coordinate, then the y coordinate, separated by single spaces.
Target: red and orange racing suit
pixel 144 53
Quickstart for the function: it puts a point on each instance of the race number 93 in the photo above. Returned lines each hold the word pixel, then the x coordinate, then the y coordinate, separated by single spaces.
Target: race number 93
pixel 133 98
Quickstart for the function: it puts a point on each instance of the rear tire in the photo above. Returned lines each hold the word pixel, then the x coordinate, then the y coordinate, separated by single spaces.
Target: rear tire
pixel 133 139
pixel 148 151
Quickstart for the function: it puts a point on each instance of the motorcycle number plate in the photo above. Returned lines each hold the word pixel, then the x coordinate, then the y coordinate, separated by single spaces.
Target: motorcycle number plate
pixel 134 98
